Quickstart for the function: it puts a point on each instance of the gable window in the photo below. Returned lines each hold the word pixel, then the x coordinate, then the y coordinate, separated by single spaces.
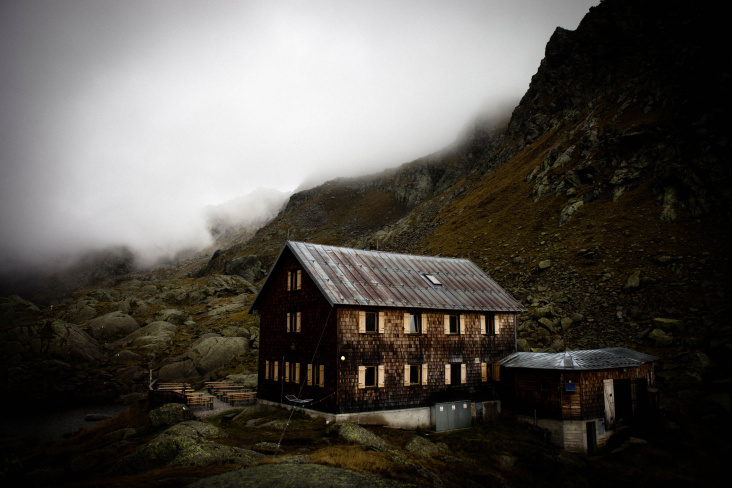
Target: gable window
pixel 415 374
pixel 413 322
pixel 488 324
pixel 294 279
pixel 370 322
pixel 454 324
pixel 294 321
pixel 371 376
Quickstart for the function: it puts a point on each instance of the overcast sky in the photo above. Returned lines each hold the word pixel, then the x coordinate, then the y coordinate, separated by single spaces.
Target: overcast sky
pixel 121 120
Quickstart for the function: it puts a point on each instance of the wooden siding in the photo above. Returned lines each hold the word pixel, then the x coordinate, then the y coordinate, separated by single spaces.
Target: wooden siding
pixel 393 348
pixel 526 391
pixel 313 345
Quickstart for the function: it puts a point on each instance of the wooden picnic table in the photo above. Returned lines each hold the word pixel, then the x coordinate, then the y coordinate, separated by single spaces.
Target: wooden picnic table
pixel 200 398
pixel 240 396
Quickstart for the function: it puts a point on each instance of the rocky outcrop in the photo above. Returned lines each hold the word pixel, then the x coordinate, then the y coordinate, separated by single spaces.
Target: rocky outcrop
pixel 213 352
pixel 111 326
pixel 14 309
pixel 189 443
pixel 54 338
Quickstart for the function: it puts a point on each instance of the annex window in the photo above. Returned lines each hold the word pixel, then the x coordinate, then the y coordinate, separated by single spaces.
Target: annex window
pixel 316 375
pixel 454 324
pixel 488 324
pixel 413 322
pixel 371 376
pixel 294 279
pixel 370 322
pixel 456 373
pixel 292 372
pixel 294 321
pixel 415 374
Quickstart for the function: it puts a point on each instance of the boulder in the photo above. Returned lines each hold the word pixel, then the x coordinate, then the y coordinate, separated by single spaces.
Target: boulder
pixel 171 315
pixel 80 311
pixel 13 309
pixel 178 371
pixel 54 338
pixel 669 324
pixel 248 267
pixel 213 352
pixel 170 414
pixel 545 264
pixel 422 447
pixel 152 336
pixel 112 326
pixel 355 433
pixel 188 443
pixel 660 337
pixel 633 281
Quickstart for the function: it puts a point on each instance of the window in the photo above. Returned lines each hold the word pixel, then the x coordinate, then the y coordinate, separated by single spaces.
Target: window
pixel 454 324
pixel 316 375
pixel 294 321
pixel 413 322
pixel 292 372
pixel 271 370
pixel 415 374
pixel 488 324
pixel 371 376
pixel 294 279
pixel 370 322
pixel 432 279
pixel 456 373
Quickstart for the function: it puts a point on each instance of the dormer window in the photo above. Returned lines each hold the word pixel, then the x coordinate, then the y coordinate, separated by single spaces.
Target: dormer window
pixel 432 279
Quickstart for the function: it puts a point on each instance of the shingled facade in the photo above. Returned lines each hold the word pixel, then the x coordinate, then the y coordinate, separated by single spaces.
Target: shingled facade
pixel 365 331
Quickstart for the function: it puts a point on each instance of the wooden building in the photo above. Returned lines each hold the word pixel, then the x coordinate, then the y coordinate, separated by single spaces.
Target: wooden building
pixel 580 396
pixel 364 331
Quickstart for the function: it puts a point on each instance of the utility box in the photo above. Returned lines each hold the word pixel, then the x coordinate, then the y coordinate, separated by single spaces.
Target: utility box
pixel 451 415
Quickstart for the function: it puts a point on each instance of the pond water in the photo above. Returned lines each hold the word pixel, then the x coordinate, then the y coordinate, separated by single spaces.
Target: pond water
pixel 51 426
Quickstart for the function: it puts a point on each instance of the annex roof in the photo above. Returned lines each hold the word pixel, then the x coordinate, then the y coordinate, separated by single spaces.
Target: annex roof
pixel 609 358
pixel 383 279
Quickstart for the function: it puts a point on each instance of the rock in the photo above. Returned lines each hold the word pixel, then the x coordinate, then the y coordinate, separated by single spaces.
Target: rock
pixel 669 324
pixel 154 335
pixel 422 447
pixel 660 337
pixel 545 264
pixel 126 357
pixel 355 433
pixel 80 311
pixel 111 326
pixel 178 371
pixel 566 323
pixel 170 414
pixel 547 324
pixel 266 447
pixel 569 210
pixel 213 352
pixel 189 443
pixel 171 315
pixel 248 267
pixel 53 338
pixel 246 380
pixel 13 309
pixel 633 281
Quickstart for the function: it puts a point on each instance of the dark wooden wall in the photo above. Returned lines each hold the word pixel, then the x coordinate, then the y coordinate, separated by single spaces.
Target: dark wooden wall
pixel 314 344
pixel 393 349
pixel 524 392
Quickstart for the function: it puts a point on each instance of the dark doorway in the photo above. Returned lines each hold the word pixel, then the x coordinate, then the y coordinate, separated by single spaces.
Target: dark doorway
pixel 591 438
pixel 623 400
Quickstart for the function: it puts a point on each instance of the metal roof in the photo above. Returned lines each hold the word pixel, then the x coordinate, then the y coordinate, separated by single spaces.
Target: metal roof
pixel 382 279
pixel 609 358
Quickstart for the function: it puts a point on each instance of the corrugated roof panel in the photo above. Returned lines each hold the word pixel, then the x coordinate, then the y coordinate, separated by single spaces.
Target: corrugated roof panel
pixel 591 359
pixel 356 277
